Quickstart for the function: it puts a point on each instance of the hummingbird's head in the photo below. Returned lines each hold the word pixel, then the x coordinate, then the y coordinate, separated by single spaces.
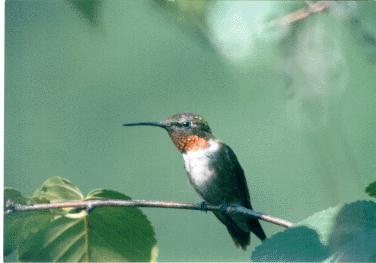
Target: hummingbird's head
pixel 188 131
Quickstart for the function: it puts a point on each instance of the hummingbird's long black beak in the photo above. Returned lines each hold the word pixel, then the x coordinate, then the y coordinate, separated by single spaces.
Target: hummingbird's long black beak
pixel 157 124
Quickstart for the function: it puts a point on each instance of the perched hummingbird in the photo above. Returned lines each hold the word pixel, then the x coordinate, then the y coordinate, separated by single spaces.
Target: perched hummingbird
pixel 213 170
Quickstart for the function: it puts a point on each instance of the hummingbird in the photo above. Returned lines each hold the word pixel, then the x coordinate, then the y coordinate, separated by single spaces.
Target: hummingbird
pixel 213 170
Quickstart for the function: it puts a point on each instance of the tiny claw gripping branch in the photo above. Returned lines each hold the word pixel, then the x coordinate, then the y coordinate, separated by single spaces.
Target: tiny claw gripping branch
pixel 223 207
pixel 204 206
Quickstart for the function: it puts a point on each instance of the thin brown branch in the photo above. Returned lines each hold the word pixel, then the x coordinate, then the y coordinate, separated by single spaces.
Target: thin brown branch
pixel 91 204
pixel 313 8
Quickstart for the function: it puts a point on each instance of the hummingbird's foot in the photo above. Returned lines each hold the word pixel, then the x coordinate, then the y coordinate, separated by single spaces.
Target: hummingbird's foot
pixel 204 206
pixel 223 207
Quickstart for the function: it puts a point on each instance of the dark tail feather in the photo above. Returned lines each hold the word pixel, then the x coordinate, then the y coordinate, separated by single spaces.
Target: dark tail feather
pixel 256 228
pixel 240 237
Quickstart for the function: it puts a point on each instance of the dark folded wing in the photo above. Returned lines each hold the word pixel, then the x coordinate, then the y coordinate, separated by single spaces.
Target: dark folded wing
pixel 236 182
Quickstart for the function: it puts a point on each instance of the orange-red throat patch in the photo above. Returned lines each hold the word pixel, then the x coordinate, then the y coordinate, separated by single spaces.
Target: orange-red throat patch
pixel 187 143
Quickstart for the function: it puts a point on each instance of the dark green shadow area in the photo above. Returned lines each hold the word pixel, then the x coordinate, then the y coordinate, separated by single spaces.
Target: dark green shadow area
pixel 353 237
pixel 295 244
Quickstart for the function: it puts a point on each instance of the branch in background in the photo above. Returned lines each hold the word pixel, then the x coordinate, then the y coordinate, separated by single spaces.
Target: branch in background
pixel 303 13
pixel 90 204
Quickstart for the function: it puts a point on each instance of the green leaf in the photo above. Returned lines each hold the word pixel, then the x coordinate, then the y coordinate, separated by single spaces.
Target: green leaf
pixel 57 189
pixel 101 194
pixel 343 233
pixel 371 189
pixel 297 244
pixel 104 234
pixel 11 194
pixel 19 226
pixel 127 229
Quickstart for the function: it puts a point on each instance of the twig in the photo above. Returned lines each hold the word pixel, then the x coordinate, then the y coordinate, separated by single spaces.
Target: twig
pixel 91 204
pixel 303 13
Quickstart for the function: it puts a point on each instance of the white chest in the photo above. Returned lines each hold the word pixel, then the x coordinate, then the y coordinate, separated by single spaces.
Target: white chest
pixel 198 164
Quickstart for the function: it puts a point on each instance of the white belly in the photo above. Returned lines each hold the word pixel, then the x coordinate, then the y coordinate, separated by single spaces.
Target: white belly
pixel 198 164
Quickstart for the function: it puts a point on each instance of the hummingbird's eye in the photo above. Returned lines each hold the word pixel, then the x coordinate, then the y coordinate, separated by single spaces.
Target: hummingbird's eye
pixel 186 124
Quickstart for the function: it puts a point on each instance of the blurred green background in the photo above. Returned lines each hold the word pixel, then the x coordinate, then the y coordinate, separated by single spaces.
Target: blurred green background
pixel 297 104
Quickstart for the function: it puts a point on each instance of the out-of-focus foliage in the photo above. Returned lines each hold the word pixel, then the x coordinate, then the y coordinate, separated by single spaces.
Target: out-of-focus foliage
pixel 343 233
pixel 232 24
pixel 191 15
pixel 88 8
pixel 105 234
pixel 193 11
pixel 371 189
pixel 363 23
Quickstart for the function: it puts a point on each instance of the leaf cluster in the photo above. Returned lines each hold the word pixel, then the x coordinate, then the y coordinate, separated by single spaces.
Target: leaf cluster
pixel 346 232
pixel 72 235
